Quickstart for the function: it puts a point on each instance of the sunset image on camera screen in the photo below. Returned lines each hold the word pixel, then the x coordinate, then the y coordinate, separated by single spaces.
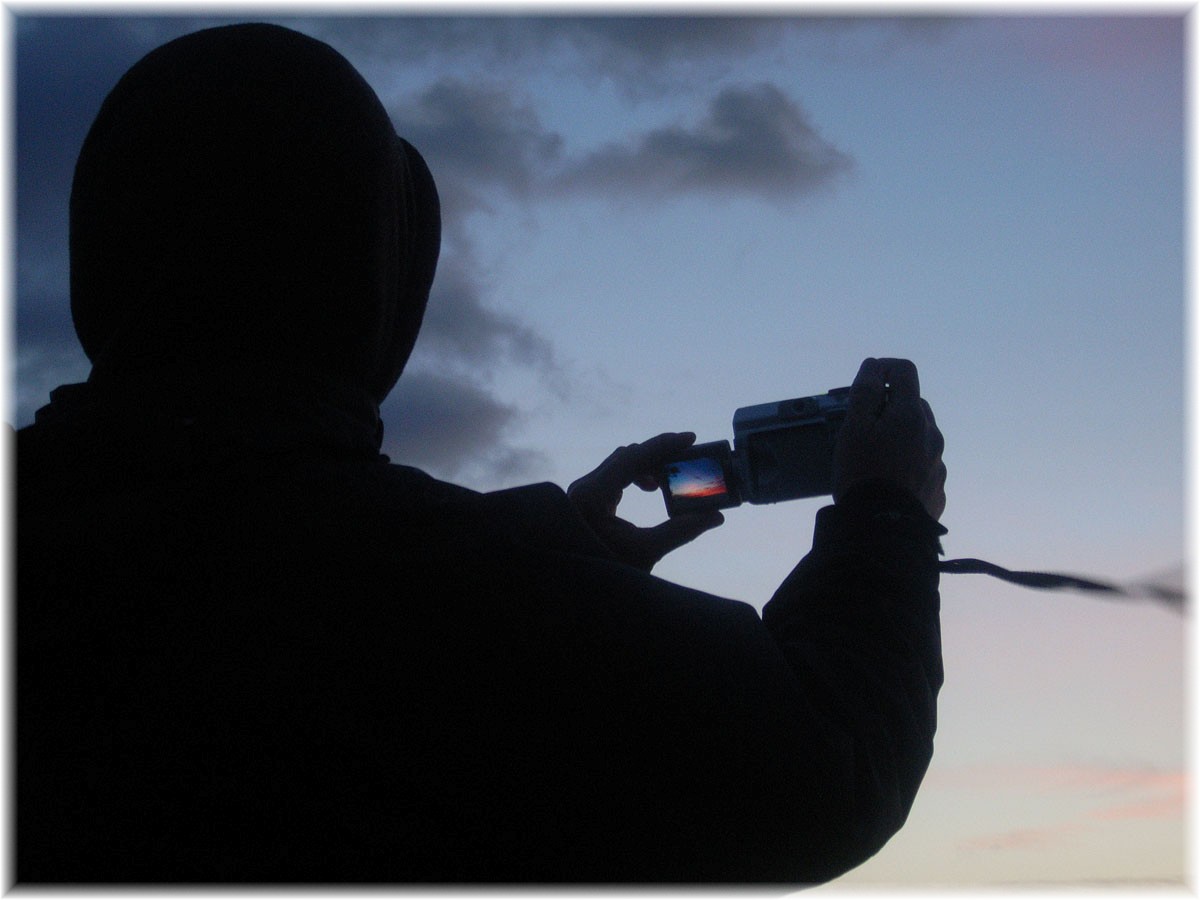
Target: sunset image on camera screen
pixel 700 477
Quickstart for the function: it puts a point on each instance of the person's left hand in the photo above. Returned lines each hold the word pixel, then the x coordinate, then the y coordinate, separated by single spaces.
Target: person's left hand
pixel 597 494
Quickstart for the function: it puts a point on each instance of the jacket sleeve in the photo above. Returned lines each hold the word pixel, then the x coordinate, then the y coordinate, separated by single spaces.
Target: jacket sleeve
pixel 858 622
pixel 725 746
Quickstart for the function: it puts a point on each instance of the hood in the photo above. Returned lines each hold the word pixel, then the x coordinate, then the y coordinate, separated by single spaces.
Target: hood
pixel 243 208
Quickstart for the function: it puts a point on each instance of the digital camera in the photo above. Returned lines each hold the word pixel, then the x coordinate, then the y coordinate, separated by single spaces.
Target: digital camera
pixel 781 451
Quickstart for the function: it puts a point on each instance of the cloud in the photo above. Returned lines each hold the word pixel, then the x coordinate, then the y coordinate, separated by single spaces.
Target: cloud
pixel 484 141
pixel 642 55
pixel 1020 838
pixel 1116 793
pixel 626 48
pixel 41 368
pixel 753 139
pixel 444 415
pixel 454 429
pixel 651 54
pixel 476 136
pixel 1167 806
pixel 46 321
pixel 47 354
pixel 459 328
pixel 1096 777
pixel 477 139
pixel 478 133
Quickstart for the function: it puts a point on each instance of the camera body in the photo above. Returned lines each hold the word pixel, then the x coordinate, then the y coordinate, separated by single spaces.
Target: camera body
pixel 781 451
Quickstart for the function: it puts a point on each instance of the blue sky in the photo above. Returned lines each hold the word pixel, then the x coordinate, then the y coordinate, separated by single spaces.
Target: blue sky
pixel 652 221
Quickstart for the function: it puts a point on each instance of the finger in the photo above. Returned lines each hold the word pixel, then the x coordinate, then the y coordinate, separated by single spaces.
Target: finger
pixel 934 440
pixel 660 448
pixel 929 412
pixel 648 482
pixel 672 534
pixel 901 376
pixel 935 492
pixel 633 463
pixel 866 391
pixel 588 488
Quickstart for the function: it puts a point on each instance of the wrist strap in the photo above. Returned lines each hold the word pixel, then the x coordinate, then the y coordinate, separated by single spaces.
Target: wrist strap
pixel 1173 597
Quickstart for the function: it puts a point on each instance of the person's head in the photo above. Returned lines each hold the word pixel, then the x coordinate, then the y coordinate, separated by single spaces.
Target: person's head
pixel 242 202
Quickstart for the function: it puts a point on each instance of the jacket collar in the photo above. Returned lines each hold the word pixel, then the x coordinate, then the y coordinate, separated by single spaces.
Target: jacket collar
pixel 192 424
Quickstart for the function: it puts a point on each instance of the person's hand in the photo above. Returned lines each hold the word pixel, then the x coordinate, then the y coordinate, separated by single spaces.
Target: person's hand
pixel 889 433
pixel 597 494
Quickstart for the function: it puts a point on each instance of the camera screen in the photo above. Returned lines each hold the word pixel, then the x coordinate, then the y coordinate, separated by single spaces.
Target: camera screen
pixel 701 478
pixel 697 478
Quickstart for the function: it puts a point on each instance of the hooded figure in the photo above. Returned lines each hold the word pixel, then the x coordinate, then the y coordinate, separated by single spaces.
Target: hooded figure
pixel 215 229
pixel 250 649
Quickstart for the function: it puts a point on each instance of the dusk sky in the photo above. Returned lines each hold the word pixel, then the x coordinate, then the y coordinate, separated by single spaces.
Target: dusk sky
pixel 651 221
pixel 696 478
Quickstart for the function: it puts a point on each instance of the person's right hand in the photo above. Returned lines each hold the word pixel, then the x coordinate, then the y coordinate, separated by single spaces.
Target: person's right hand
pixel 889 434
pixel 597 494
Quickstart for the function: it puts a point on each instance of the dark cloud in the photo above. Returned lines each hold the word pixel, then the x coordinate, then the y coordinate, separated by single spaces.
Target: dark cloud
pixel 648 55
pixel 40 368
pixel 601 44
pixel 454 428
pixel 753 139
pixel 666 48
pixel 459 327
pixel 45 320
pixel 483 141
pixel 479 133
pixel 658 39
pixel 642 55
pixel 478 139
pixel 444 416
pixel 47 354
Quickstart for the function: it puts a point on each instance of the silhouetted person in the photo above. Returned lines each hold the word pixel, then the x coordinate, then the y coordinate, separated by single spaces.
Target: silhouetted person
pixel 251 649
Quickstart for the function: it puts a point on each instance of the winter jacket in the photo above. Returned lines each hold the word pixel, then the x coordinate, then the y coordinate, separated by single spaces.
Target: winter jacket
pixel 250 649
pixel 289 660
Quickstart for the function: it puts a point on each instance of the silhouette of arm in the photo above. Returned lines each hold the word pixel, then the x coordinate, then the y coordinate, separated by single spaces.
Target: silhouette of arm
pixel 858 621
pixel 597 495
pixel 786 748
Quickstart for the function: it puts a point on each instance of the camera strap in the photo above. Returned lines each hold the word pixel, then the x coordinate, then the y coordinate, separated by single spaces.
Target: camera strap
pixel 1057 581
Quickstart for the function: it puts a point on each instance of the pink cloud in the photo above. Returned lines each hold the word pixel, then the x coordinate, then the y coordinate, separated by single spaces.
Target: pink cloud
pixel 1109 778
pixel 1168 805
pixel 1020 838
pixel 1128 794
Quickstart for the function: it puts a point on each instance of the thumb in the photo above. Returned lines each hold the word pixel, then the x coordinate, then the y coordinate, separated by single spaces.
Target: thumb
pixel 672 534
